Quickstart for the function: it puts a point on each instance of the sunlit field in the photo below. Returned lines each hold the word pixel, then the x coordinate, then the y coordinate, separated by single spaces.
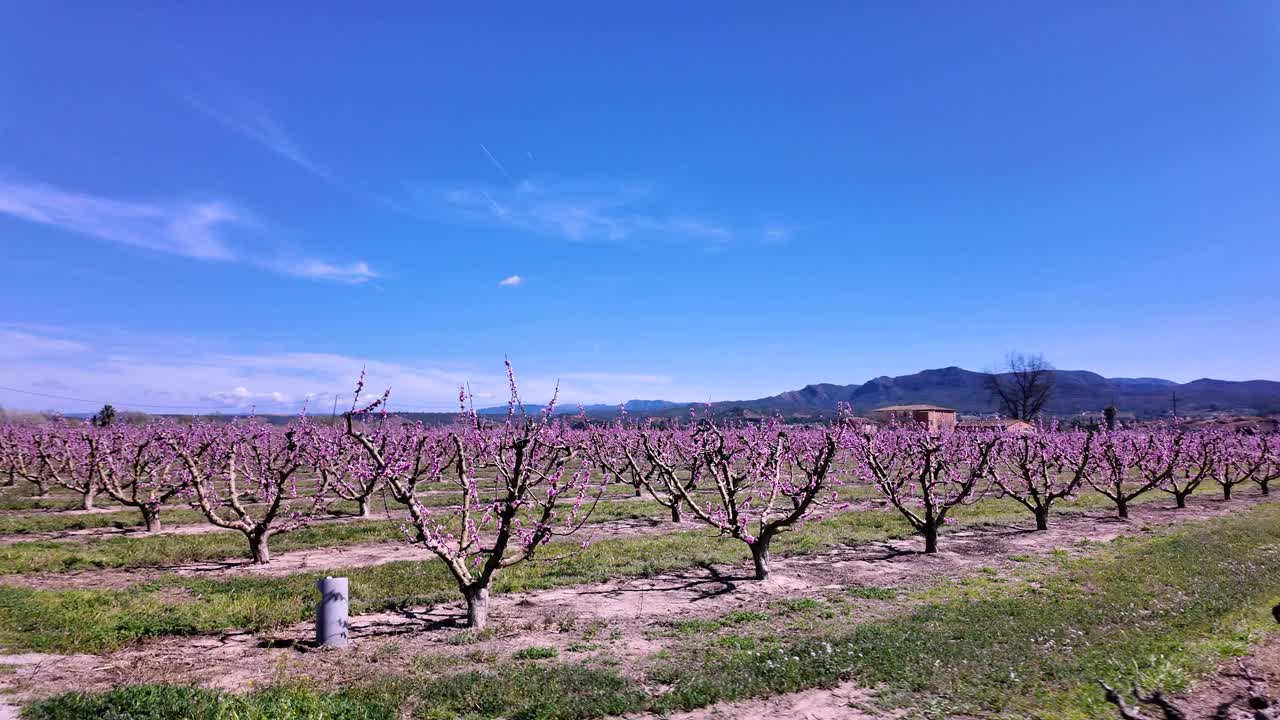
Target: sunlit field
pixel 539 567
pixel 654 360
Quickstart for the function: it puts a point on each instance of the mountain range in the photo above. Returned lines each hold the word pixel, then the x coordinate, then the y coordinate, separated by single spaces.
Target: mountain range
pixel 1077 391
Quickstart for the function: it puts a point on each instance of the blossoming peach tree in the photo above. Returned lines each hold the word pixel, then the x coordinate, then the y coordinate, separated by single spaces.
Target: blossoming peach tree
pixel 1041 467
pixel 926 474
pixel 244 476
pixel 761 479
pixel 522 481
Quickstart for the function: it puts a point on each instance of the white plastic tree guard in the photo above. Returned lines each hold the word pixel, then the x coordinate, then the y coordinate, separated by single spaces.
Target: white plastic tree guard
pixel 331 613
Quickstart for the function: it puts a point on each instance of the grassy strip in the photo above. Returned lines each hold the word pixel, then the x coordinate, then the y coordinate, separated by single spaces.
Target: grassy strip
pixel 20 503
pixel 525 691
pixel 1152 609
pixel 63 522
pixel 103 620
pixel 55 556
pixel 95 620
pixel 1145 608
pixel 50 556
pixel 61 556
pixel 58 556
pixel 169 702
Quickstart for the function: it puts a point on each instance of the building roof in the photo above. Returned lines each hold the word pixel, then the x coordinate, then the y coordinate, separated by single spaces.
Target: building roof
pixel 904 408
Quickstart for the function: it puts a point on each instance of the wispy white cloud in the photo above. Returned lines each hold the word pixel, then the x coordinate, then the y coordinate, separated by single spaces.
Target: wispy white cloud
pixel 261 127
pixel 187 229
pixel 258 125
pixel 197 230
pixel 580 211
pixel 17 343
pixel 161 376
pixel 354 273
pixel 241 396
pixel 511 281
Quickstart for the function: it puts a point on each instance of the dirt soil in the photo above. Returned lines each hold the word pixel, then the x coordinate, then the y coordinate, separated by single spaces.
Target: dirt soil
pixel 843 702
pixel 622 622
pixel 1220 695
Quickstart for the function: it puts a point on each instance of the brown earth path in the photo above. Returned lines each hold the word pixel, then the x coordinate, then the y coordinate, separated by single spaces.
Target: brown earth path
pixel 627 619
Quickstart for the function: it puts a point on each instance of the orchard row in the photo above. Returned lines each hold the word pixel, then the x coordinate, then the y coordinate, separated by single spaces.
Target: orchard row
pixel 514 484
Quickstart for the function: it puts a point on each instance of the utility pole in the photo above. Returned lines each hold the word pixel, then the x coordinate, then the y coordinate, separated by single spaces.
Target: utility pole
pixel 1174 399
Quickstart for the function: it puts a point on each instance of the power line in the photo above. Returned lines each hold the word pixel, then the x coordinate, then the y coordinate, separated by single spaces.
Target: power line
pixel 91 402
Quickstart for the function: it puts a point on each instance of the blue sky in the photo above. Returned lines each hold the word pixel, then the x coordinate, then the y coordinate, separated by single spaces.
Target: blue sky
pixel 229 204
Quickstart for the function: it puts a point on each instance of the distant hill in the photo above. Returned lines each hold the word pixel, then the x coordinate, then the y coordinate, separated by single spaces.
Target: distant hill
pixel 1077 391
pixel 632 406
pixel 965 390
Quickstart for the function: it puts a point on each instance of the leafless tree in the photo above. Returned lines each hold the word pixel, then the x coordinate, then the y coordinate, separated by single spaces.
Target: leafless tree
pixel 1022 386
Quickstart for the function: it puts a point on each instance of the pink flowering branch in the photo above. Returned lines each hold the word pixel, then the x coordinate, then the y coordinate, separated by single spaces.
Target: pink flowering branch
pixel 924 474
pixel 517 489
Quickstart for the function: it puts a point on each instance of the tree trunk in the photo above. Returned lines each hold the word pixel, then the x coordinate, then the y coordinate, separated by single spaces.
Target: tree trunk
pixel 637 490
pixel 1042 518
pixel 365 510
pixel 930 533
pixel 1180 499
pixel 1226 492
pixel 151 519
pixel 760 557
pixel 675 510
pixel 13 479
pixel 477 606
pixel 86 500
pixel 42 488
pixel 259 550
pixel 1122 508
pixel 1263 484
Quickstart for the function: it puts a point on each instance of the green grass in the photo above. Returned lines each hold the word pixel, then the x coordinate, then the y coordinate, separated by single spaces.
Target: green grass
pixel 60 522
pixel 52 556
pixel 1158 608
pixel 94 620
pixel 50 502
pixel 57 556
pixel 51 522
pixel 525 691
pixel 701 626
pixel 99 620
pixel 872 592
pixel 535 653
pixel 1155 609
pixel 173 702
